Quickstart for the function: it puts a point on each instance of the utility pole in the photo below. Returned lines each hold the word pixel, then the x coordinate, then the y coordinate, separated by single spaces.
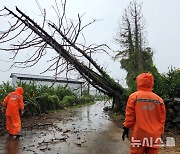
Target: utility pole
pixel 88 85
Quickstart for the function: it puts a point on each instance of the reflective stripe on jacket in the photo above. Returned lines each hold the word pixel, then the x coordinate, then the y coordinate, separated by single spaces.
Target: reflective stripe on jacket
pixel 145 111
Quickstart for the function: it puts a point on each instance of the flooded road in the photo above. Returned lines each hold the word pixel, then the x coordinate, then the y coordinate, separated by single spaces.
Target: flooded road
pixel 87 130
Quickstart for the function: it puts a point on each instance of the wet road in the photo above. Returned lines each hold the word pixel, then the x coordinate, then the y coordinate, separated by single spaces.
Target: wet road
pixel 87 130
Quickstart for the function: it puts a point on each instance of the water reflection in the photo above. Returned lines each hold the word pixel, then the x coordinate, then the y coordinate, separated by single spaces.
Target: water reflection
pixel 12 146
pixel 84 131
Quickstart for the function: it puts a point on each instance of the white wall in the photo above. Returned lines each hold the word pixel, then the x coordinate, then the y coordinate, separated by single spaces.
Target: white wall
pixel 76 87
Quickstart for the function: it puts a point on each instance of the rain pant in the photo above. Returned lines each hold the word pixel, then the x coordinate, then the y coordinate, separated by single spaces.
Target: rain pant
pixel 145 116
pixel 142 150
pixel 14 104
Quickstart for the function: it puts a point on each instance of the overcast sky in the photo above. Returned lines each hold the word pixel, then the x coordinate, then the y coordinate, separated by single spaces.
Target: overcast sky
pixel 163 30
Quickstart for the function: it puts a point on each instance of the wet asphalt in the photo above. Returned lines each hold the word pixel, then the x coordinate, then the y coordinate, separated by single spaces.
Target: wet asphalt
pixel 86 130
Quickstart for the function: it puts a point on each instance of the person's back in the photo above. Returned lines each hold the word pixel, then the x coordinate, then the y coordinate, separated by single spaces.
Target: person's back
pixel 13 104
pixel 145 115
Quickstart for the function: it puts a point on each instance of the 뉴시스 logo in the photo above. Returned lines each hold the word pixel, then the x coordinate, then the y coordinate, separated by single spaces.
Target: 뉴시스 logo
pixel 148 142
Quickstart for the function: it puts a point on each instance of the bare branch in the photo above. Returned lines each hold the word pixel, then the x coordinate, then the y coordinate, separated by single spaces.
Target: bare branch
pixel 64 42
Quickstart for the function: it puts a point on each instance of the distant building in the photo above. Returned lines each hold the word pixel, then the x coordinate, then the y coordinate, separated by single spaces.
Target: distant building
pixel 73 84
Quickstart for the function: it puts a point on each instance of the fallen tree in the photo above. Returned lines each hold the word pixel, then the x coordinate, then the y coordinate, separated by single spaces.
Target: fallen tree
pixel 67 50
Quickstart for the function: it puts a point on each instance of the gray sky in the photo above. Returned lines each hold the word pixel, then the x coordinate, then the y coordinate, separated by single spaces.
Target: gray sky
pixel 163 30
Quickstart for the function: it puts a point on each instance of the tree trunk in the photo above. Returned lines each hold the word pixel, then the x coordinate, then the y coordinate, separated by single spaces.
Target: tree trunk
pixel 97 78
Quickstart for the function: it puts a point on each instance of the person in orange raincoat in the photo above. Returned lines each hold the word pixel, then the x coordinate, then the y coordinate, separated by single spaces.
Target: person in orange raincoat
pixel 14 107
pixel 145 117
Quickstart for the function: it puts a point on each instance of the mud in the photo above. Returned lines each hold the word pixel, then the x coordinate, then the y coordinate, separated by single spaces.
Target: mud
pixel 87 130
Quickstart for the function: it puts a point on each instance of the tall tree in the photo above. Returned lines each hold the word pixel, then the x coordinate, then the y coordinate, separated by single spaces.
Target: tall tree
pixel 134 56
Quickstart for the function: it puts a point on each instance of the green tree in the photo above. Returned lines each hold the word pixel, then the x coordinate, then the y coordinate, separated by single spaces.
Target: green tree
pixel 168 84
pixel 135 57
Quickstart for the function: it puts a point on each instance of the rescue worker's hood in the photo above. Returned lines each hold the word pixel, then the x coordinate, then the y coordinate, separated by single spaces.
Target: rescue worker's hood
pixel 19 90
pixel 145 82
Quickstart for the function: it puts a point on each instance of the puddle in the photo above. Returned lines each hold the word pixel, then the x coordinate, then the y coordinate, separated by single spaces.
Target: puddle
pixel 87 130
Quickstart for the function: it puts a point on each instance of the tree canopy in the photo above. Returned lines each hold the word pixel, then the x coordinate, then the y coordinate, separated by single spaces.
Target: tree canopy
pixel 135 57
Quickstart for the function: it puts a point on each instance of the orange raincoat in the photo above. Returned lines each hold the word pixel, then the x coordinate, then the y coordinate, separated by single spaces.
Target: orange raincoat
pixel 14 104
pixel 145 115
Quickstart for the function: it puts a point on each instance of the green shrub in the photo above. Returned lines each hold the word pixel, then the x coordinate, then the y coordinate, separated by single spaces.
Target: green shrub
pixel 41 99
pixel 48 102
pixel 168 85
pixel 61 92
pixel 32 108
pixel 85 99
pixel 5 88
pixel 69 101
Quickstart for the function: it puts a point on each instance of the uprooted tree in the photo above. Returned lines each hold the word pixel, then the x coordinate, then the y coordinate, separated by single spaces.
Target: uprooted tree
pixel 62 39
